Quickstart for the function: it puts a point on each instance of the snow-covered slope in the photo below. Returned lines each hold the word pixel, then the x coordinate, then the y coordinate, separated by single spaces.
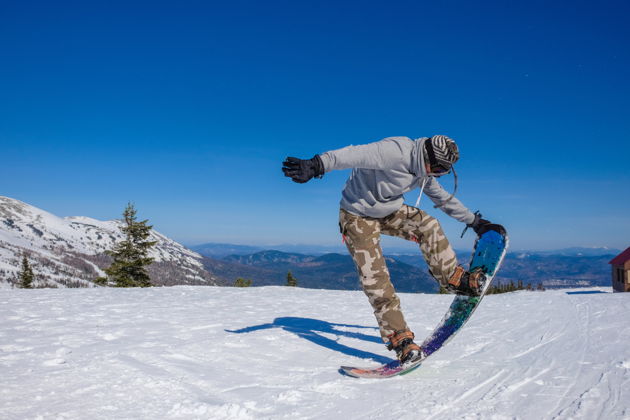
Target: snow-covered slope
pixel 273 353
pixel 68 251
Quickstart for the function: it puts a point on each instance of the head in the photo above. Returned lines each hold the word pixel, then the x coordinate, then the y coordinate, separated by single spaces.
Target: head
pixel 441 153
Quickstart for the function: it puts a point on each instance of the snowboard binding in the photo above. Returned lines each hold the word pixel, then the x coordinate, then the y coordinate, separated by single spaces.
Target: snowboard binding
pixel 406 350
pixel 467 283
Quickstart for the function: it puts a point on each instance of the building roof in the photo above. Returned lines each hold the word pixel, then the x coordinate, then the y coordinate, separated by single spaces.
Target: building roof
pixel 621 258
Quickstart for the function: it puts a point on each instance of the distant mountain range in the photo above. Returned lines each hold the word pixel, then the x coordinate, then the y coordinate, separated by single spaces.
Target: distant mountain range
pixel 221 250
pixel 569 267
pixel 552 270
pixel 329 271
pixel 69 252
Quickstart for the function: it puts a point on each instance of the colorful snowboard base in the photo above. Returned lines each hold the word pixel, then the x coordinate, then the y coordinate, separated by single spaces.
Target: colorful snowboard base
pixel 488 254
pixel 388 370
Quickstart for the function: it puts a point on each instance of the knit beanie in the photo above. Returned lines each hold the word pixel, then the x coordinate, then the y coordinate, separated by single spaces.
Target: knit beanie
pixel 441 152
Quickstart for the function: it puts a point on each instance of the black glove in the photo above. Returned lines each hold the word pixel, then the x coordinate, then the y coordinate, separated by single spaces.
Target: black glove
pixel 302 171
pixel 481 226
pixel 478 224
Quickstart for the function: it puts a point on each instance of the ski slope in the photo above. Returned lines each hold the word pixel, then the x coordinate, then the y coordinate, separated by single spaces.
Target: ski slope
pixel 273 353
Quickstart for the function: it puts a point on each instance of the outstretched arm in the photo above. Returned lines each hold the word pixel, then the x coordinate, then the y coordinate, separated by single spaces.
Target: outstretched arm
pixel 384 154
pixel 451 206
pixel 454 208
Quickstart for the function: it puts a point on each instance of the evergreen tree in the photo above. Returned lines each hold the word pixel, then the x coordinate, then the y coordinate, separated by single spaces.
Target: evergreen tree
pixel 241 282
pixel 291 281
pixel 26 276
pixel 131 255
pixel 101 281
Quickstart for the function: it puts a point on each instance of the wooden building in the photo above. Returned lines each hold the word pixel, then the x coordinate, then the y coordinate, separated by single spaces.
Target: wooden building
pixel 621 272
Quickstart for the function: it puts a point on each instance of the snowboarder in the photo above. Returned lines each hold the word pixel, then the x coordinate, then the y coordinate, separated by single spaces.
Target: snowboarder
pixel 372 203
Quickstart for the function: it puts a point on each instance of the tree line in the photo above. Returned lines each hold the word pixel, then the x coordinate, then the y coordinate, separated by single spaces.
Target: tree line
pixel 499 288
pixel 241 282
pixel 511 287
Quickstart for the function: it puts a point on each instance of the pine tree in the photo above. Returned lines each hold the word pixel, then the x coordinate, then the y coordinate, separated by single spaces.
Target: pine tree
pixel 291 281
pixel 26 275
pixel 131 256
pixel 241 282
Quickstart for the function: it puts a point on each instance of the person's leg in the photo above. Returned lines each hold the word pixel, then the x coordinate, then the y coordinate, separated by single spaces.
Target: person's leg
pixel 416 225
pixel 362 237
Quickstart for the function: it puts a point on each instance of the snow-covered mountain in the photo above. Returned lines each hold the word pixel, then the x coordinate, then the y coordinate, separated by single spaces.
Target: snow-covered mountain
pixel 69 251
pixel 272 353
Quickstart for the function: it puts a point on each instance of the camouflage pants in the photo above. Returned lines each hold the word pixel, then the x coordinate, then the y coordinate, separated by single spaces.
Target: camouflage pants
pixel 362 236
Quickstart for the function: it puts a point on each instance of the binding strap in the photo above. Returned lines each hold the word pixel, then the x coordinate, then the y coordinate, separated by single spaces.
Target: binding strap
pixel 474 277
pixel 456 278
pixel 396 338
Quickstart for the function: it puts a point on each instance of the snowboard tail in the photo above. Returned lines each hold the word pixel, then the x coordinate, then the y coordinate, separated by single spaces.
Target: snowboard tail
pixel 488 254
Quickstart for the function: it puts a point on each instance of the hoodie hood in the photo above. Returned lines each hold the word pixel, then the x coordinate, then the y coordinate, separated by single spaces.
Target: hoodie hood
pixel 418 167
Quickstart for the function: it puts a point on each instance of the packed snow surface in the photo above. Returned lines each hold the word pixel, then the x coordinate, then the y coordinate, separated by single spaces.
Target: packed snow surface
pixel 273 353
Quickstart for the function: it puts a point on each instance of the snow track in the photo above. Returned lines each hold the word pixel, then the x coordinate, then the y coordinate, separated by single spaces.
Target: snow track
pixel 273 353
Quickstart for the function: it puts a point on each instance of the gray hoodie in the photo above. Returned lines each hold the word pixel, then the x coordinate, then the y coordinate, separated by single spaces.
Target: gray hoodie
pixel 385 170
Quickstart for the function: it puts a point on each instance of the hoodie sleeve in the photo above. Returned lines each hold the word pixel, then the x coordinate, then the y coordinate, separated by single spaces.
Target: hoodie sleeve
pixel 388 153
pixel 453 208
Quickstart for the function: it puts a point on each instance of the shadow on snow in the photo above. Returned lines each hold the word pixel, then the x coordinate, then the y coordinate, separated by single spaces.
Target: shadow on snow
pixel 311 329
pixel 586 292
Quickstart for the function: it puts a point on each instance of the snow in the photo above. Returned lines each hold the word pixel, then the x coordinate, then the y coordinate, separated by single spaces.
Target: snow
pixel 273 353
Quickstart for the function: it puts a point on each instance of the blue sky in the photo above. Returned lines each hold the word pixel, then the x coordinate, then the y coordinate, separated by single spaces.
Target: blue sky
pixel 188 109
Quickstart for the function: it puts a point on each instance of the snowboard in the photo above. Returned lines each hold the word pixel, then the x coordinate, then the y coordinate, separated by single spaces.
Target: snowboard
pixel 488 253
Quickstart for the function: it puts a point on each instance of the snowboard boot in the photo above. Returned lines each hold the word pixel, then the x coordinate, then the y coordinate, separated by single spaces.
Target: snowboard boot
pixel 406 350
pixel 466 283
